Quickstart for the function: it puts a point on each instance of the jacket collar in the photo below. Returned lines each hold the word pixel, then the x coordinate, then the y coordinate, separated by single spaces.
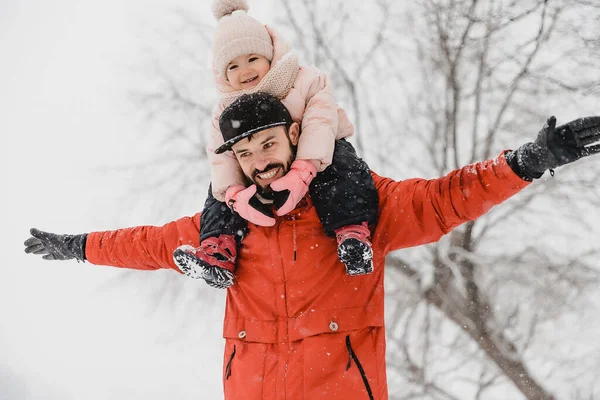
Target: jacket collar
pixel 302 207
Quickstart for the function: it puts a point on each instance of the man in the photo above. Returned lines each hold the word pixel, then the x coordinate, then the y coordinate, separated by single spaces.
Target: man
pixel 296 325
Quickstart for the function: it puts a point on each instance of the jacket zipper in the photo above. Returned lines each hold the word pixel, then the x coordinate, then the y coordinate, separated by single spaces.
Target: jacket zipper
pixel 352 356
pixel 294 235
pixel 228 368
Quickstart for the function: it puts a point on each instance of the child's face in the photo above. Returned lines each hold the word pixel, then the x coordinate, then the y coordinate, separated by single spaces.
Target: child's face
pixel 245 71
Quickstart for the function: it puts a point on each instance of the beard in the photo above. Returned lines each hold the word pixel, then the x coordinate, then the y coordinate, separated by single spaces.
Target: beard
pixel 265 191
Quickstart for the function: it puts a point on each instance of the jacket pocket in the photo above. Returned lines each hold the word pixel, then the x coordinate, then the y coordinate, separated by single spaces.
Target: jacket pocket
pixel 228 365
pixel 331 365
pixel 244 369
pixel 353 357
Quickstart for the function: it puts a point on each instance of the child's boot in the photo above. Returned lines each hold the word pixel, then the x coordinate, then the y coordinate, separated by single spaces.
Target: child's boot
pixel 354 249
pixel 213 261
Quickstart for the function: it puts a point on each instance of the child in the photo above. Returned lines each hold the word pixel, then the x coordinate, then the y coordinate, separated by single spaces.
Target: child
pixel 249 58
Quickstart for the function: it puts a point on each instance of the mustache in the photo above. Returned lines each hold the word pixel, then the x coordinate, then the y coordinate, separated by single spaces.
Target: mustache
pixel 268 167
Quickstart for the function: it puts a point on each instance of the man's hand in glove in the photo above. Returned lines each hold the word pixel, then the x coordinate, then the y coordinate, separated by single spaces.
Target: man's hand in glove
pixel 242 200
pixel 556 146
pixel 56 247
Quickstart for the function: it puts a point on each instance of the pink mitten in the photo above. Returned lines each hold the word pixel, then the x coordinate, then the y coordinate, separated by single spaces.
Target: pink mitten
pixel 241 200
pixel 296 182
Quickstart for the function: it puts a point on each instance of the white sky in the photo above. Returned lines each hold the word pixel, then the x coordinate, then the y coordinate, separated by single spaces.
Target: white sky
pixel 69 330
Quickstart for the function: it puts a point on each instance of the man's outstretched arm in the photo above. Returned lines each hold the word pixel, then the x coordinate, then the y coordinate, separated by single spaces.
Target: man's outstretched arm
pixel 143 247
pixel 420 211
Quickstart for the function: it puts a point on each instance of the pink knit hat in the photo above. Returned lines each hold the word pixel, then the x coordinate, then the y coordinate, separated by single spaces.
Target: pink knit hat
pixel 237 34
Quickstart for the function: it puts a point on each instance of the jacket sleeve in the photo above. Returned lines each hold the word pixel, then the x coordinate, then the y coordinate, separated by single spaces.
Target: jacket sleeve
pixel 320 120
pixel 142 247
pixel 420 211
pixel 225 170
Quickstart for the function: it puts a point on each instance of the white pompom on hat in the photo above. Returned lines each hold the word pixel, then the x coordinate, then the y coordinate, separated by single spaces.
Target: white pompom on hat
pixel 237 34
pixel 226 7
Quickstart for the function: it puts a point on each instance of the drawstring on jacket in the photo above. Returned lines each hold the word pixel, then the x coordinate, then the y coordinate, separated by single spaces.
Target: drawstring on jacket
pixel 352 356
pixel 294 235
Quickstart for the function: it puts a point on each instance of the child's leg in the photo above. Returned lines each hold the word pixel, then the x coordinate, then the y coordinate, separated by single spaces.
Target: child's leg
pixel 218 219
pixel 344 194
pixel 221 232
pixel 346 201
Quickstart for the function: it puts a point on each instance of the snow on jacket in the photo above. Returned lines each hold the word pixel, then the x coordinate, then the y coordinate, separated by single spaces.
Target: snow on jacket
pixel 308 96
pixel 296 325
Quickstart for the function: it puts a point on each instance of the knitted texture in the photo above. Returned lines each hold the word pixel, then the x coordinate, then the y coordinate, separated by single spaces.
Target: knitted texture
pixel 237 34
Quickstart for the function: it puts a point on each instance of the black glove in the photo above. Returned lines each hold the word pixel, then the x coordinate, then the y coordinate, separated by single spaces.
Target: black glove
pixel 56 247
pixel 556 146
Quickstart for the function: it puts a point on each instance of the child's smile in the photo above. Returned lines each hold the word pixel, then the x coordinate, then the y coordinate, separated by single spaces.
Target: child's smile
pixel 250 82
pixel 246 71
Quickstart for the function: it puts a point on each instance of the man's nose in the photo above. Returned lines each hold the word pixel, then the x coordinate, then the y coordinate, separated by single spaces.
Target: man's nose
pixel 261 163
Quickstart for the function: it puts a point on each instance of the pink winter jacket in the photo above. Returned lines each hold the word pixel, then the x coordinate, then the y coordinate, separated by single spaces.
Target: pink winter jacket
pixel 309 99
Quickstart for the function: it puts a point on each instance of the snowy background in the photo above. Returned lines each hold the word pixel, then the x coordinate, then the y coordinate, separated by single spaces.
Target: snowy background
pixel 69 330
pixel 77 154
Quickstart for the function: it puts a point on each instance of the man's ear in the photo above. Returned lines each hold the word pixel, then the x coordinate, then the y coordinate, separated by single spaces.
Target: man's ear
pixel 294 133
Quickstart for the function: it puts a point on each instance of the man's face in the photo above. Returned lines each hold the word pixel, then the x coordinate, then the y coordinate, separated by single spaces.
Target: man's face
pixel 267 155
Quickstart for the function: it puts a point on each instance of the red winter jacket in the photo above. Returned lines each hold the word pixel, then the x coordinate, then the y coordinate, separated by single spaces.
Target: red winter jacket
pixel 296 325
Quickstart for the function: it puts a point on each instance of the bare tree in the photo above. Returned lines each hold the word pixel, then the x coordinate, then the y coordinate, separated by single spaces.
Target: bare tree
pixel 454 81
pixel 173 96
pixel 487 64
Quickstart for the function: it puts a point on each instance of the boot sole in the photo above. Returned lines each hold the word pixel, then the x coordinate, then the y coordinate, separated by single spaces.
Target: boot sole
pixel 197 268
pixel 356 256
